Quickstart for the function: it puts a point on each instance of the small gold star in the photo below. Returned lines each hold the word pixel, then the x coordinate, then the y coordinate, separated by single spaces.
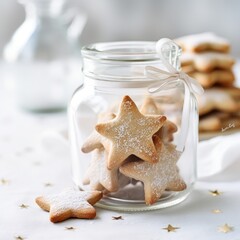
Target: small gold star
pixel 4 181
pixel 19 238
pixel 215 193
pixel 225 228
pixel 23 206
pixel 48 184
pixel 117 218
pixel 170 228
pixel 216 211
pixel 70 228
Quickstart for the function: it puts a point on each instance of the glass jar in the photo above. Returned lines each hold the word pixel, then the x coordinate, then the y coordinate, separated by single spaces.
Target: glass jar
pixel 45 56
pixel 127 140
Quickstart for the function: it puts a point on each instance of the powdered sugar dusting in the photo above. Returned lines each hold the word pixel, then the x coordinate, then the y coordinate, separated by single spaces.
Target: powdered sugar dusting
pixel 99 175
pixel 133 131
pixel 69 199
pixel 96 140
pixel 127 105
pixel 165 169
pixel 149 107
pixel 159 176
pixel 197 39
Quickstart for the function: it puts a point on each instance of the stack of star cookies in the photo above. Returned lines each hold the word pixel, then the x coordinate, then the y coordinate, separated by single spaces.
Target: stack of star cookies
pixel 206 58
pixel 131 146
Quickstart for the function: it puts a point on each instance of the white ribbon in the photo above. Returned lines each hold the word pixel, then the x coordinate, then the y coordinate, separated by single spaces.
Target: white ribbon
pixel 169 80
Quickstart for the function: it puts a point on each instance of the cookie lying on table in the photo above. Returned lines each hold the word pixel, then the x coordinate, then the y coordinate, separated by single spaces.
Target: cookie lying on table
pixel 70 203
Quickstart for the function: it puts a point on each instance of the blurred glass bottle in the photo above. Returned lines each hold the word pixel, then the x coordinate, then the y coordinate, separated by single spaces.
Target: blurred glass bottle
pixel 45 55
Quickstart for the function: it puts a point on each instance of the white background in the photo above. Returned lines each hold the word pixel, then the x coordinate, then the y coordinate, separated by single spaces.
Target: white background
pixel 114 20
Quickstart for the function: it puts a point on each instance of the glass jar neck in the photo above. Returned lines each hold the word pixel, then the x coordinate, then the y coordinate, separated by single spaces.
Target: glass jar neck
pixel 123 64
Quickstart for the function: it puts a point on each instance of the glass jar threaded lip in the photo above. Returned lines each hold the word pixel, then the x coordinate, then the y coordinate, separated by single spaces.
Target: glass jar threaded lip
pixel 125 51
pixel 122 62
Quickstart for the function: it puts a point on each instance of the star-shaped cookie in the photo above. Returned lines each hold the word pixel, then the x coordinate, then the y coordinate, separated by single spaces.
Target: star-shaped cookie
pixel 70 203
pixel 149 107
pixel 224 78
pixel 217 99
pixel 203 42
pixel 219 121
pixel 98 176
pixel 130 133
pixel 95 140
pixel 157 177
pixel 207 61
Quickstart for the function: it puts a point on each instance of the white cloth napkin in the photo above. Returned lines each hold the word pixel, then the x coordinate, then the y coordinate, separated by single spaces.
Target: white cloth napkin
pixel 218 159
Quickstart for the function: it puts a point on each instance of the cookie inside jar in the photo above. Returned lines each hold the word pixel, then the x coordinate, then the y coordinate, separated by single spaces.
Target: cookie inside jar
pixel 133 153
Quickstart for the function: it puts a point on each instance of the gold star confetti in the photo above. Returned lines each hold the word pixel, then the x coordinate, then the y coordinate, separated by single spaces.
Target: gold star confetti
pixel 70 228
pixel 23 206
pixel 48 184
pixel 216 211
pixel 117 218
pixel 215 193
pixel 225 228
pixel 4 181
pixel 20 238
pixel 170 228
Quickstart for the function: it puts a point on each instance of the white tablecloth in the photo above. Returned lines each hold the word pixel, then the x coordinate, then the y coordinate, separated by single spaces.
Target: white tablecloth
pixel 27 172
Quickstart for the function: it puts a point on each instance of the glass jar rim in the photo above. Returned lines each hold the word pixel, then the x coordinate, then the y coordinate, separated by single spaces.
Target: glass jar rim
pixel 121 51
